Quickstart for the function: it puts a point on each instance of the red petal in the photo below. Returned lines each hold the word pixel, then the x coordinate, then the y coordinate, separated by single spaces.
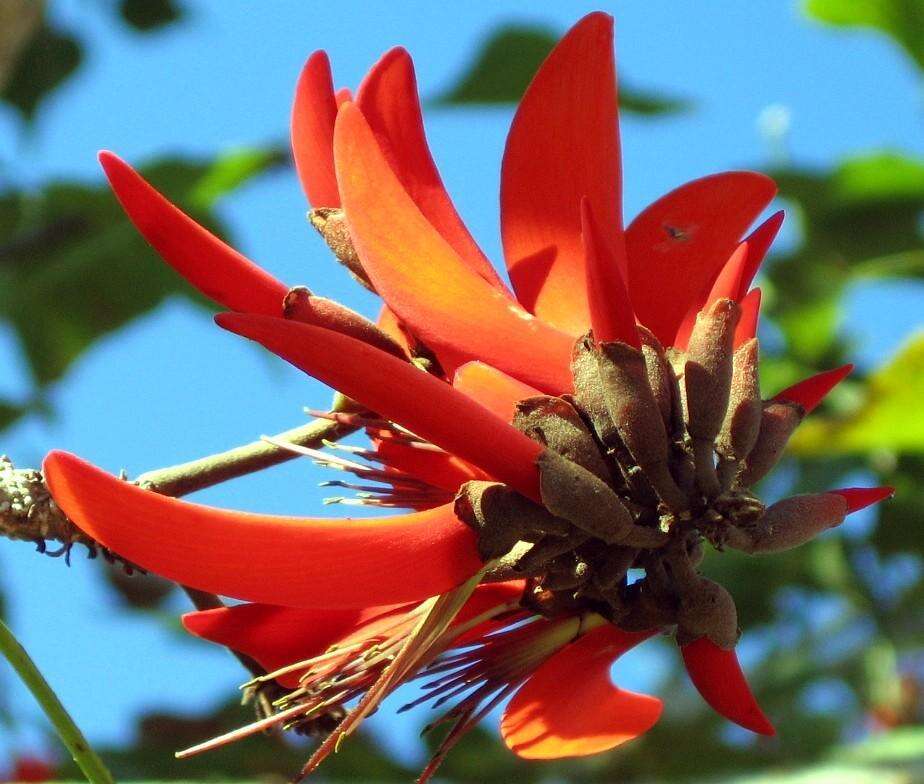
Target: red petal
pixel 216 269
pixel 278 636
pixel 563 145
pixel 858 498
pixel 750 315
pixel 677 245
pixel 391 325
pixel 419 275
pixel 811 391
pixel 570 707
pixel 389 102
pixel 717 676
pixel 313 114
pixel 758 242
pixel 611 314
pixel 495 390
pixel 343 95
pixel 402 393
pixel 301 562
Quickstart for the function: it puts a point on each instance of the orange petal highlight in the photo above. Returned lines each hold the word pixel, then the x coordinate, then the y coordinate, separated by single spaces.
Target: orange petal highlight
pixel 570 707
pixel 422 278
pixel 677 245
pixel 563 146
pixel 388 100
pixel 717 676
pixel 496 391
pixel 399 391
pixel 216 269
pixel 301 562
pixel 312 132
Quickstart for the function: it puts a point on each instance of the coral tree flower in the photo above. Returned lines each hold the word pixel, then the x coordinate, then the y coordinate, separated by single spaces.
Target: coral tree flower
pixel 603 414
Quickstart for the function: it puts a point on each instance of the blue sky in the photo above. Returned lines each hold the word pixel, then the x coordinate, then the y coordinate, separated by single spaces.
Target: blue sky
pixel 172 387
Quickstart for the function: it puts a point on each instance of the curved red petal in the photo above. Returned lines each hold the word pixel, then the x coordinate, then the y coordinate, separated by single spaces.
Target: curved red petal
pixel 570 707
pixel 421 278
pixel 216 269
pixel 809 392
pixel 858 498
pixel 401 392
pixel 388 100
pixel 611 314
pixel 495 390
pixel 301 562
pixel 717 676
pixel 750 316
pixel 312 132
pixel 563 146
pixel 758 242
pixel 676 246
pixel 277 636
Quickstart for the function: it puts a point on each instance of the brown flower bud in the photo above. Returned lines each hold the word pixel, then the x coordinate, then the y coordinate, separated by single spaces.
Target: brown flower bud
pixel 778 421
pixel 742 420
pixel 331 224
pixel 588 389
pixel 661 379
pixel 574 493
pixel 634 412
pixel 707 610
pixel 554 422
pixel 301 305
pixel 707 383
pixel 791 522
pixel 502 517
pixel 611 568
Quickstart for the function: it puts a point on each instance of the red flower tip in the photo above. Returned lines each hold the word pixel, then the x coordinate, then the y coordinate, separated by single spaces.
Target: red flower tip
pixel 718 677
pixel 811 391
pixel 758 242
pixel 611 314
pixel 750 316
pixel 858 498
pixel 312 131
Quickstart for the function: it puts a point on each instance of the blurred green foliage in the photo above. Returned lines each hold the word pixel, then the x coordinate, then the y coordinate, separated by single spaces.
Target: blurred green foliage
pixel 843 614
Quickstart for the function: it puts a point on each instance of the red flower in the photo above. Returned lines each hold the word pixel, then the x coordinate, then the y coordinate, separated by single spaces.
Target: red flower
pixel 621 453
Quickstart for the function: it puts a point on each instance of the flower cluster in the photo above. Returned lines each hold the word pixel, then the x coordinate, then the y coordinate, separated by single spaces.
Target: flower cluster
pixel 568 445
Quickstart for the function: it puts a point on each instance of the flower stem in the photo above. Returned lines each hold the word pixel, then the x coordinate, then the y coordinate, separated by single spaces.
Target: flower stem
pixel 69 733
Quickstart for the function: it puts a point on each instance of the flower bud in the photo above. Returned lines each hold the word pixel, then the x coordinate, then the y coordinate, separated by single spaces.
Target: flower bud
pixel 588 389
pixel 707 610
pixel 634 412
pixel 554 422
pixel 778 421
pixel 661 379
pixel 331 224
pixel 791 522
pixel 575 494
pixel 742 419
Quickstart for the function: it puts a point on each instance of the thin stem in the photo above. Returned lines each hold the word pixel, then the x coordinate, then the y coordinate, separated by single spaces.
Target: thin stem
pixel 70 734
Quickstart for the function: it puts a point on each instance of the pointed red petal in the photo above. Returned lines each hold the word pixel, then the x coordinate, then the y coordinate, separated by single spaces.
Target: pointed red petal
pixel 302 562
pixel 495 390
pixel 570 707
pixel 343 95
pixel 217 270
pixel 758 242
pixel 809 392
pixel 750 316
pixel 312 129
pixel 677 245
pixel 858 498
pixel 420 277
pixel 402 393
pixel 611 314
pixel 717 676
pixel 388 100
pixel 278 636
pixel 563 145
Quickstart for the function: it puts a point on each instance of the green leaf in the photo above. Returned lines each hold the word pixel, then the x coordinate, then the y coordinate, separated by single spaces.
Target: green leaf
pixel 887 419
pixel 149 15
pixel 506 62
pixel 902 20
pixel 44 63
